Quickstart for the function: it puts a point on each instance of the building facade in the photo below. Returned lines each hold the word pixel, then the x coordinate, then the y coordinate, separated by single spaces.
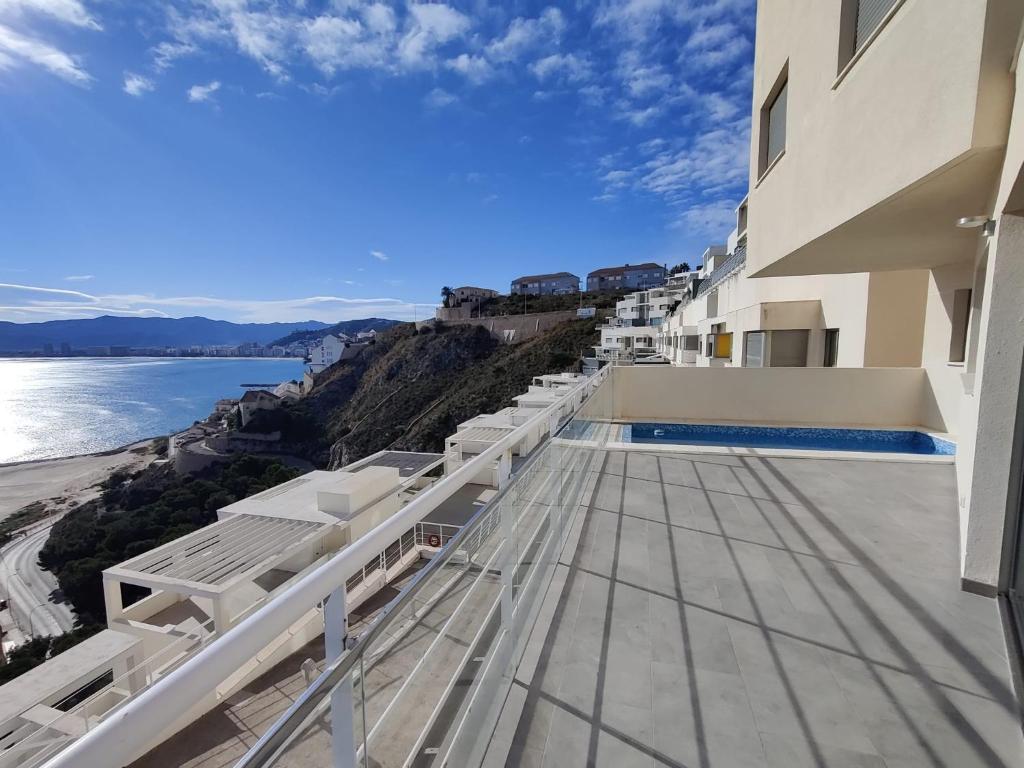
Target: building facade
pixel 628 276
pixel 913 107
pixel 472 294
pixel 546 285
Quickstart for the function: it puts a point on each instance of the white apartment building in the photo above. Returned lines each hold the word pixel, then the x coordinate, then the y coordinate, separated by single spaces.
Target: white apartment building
pixel 330 350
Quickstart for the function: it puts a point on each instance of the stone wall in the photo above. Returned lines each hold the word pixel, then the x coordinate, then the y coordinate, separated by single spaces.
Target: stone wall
pixel 512 329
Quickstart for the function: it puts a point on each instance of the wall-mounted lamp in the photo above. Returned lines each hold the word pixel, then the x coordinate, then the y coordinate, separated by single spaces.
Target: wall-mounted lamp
pixel 973 222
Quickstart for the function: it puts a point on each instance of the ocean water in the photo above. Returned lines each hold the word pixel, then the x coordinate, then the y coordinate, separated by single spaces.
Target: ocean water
pixel 64 407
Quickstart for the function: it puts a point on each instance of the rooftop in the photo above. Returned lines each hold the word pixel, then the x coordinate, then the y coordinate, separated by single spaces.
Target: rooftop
pixel 606 271
pixel 552 276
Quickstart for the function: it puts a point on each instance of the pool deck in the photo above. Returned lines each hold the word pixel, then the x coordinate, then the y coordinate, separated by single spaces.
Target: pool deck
pixel 745 611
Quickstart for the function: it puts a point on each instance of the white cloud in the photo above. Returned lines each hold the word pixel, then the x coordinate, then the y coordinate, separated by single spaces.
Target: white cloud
pixel 641 78
pixel 78 278
pixel 476 69
pixel 16 47
pixel 200 93
pixel 561 65
pixel 380 256
pixel 136 85
pixel 439 98
pixel 523 35
pixel 34 303
pixel 429 26
pixel 65 11
pixel 711 219
pixel 335 43
pixel 166 53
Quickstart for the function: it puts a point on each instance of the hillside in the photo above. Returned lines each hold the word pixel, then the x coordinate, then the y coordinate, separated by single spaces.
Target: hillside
pixel 516 305
pixel 348 327
pixel 109 330
pixel 412 389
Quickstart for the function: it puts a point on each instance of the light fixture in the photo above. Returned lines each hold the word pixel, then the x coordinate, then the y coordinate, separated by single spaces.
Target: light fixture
pixel 973 222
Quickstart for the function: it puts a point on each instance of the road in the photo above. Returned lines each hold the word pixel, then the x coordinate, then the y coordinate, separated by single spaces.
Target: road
pixel 30 589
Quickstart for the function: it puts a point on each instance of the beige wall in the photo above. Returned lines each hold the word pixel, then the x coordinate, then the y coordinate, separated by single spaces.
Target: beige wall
pixel 879 165
pixel 894 327
pixel 886 397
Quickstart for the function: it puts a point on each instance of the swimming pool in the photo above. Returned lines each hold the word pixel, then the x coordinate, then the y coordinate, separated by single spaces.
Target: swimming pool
pixel 800 438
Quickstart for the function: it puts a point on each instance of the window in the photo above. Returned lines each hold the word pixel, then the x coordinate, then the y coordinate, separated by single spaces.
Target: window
pixel 961 319
pixel 753 352
pixel 723 346
pixel 773 122
pixel 831 347
pixel 788 349
pixel 859 20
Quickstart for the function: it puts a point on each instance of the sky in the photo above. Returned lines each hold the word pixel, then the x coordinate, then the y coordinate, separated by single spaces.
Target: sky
pixel 289 160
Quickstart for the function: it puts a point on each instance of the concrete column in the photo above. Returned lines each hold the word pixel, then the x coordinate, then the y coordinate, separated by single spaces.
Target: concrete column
pixel 996 392
pixel 112 600
pixel 343 741
pixel 504 469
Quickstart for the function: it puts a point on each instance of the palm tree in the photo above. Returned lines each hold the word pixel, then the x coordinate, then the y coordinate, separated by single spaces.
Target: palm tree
pixel 447 294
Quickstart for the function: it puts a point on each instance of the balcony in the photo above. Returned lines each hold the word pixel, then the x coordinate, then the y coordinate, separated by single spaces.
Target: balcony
pixel 626 604
pixel 730 266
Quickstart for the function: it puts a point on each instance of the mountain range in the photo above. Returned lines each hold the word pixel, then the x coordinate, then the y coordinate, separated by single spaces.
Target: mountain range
pixel 155 332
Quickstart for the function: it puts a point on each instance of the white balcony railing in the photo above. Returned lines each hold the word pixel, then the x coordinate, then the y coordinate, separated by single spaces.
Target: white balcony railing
pixel 552 475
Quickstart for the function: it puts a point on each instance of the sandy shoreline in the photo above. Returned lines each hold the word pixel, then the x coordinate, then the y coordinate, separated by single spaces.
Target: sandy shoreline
pixel 59 482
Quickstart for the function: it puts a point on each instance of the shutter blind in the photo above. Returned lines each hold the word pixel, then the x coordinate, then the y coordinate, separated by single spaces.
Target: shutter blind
pixel 869 15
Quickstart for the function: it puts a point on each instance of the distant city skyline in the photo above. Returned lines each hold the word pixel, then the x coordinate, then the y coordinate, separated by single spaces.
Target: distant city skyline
pixel 278 160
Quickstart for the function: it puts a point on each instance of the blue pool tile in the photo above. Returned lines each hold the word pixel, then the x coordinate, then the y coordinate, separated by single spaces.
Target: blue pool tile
pixel 806 438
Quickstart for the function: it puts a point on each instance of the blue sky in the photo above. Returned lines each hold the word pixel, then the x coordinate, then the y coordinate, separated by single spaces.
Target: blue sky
pixel 263 160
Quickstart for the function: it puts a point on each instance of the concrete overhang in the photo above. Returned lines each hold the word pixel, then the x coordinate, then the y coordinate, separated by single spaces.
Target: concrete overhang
pixel 913 229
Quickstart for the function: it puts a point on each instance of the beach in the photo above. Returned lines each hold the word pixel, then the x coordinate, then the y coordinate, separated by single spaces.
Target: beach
pixel 61 483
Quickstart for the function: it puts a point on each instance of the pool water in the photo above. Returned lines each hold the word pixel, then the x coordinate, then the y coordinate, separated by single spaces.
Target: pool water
pixel 803 438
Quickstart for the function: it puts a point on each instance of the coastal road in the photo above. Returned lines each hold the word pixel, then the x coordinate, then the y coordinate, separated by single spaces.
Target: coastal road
pixel 29 589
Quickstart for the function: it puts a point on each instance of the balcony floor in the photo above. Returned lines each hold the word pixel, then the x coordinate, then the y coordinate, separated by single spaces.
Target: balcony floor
pixel 736 611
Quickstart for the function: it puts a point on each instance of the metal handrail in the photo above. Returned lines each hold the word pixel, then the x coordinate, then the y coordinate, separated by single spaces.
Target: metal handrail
pixel 307 705
pixel 728 267
pixel 125 735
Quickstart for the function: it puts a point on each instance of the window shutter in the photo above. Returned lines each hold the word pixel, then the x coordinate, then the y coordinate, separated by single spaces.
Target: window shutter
pixel 869 15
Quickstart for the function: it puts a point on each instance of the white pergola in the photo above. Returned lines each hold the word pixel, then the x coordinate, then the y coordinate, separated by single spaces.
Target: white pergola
pixel 214 561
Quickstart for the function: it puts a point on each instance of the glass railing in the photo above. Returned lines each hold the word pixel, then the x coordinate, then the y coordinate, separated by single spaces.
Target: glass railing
pixel 424 685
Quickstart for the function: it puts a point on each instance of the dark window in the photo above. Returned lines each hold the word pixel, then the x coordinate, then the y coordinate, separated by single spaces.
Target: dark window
pixel 773 122
pixel 831 347
pixel 777 125
pixel 859 20
pixel 961 319
pixel 869 15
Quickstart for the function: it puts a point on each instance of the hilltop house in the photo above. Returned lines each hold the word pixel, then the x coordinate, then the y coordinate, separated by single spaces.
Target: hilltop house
pixel 640 276
pixel 331 349
pixel 256 400
pixel 472 294
pixel 546 285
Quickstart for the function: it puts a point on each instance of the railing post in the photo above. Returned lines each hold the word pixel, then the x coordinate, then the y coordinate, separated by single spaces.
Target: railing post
pixel 508 524
pixel 343 741
pixel 504 469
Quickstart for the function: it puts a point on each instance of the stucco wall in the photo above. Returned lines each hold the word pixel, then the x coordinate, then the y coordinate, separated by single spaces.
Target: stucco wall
pixel 925 93
pixel 894 328
pixel 838 396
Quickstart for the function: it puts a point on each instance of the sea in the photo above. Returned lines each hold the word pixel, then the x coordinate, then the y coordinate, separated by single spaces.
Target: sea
pixel 55 407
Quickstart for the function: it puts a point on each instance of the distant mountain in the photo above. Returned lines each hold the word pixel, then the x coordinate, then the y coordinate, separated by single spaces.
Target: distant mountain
pixel 348 327
pixel 143 332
